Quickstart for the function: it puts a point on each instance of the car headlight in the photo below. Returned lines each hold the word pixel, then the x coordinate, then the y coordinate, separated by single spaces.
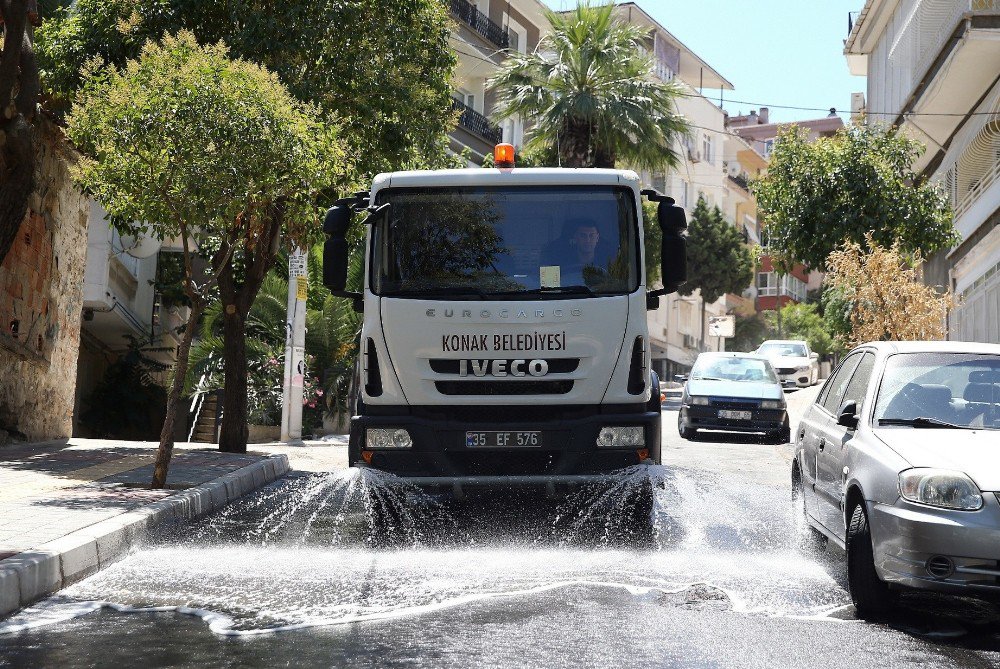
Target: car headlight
pixel 624 436
pixel 772 404
pixel 697 399
pixel 941 488
pixel 392 437
pixel 805 369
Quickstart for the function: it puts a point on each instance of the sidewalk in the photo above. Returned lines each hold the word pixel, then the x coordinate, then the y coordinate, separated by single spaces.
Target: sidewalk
pixel 70 508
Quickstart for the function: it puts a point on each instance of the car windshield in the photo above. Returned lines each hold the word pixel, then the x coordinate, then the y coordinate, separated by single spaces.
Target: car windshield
pixel 733 368
pixel 775 349
pixel 502 240
pixel 956 389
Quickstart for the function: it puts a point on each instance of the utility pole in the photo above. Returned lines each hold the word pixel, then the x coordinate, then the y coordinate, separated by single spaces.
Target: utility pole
pixel 295 343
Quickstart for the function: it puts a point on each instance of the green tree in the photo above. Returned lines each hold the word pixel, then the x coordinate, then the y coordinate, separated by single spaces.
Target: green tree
pixel 590 91
pixel 803 321
pixel 382 70
pixel 213 152
pixel 719 261
pixel 817 195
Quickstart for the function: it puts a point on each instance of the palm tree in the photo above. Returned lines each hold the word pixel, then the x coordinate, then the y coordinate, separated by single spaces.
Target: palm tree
pixel 590 91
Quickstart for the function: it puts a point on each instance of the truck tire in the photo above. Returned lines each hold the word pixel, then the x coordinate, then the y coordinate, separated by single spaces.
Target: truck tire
pixel 655 443
pixel 871 595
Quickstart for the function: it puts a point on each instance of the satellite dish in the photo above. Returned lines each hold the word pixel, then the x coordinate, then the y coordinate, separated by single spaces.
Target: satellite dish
pixel 140 247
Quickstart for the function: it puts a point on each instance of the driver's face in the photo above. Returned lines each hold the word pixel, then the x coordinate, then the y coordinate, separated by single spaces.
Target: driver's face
pixel 586 238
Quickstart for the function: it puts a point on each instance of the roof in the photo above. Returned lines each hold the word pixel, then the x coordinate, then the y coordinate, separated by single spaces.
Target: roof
pixel 933 346
pixel 539 176
pixel 699 73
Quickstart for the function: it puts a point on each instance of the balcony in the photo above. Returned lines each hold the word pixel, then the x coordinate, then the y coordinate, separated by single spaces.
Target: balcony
pixel 477 124
pixel 469 15
pixel 740 180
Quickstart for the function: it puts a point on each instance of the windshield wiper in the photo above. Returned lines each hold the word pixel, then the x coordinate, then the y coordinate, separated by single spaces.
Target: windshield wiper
pixel 444 290
pixel 922 421
pixel 566 290
pixel 708 378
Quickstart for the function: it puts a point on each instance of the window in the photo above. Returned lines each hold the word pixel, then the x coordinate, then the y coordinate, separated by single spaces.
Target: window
pixel 790 286
pixel 858 387
pixel 832 395
pixel 768 147
pixel 706 149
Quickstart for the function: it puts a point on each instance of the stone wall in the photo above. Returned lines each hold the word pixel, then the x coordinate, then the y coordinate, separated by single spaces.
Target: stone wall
pixel 41 299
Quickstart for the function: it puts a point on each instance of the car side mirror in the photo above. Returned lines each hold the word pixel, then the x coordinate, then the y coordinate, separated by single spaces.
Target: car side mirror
pixel 848 416
pixel 680 378
pixel 814 355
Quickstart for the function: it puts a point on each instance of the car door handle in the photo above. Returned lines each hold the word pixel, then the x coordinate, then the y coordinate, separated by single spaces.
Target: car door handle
pixel 822 444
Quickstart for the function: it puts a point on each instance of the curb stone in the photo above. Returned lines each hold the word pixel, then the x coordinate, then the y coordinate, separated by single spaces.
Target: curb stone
pixel 33 574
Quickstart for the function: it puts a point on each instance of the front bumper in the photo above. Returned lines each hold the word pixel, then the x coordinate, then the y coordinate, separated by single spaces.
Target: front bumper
pixel 568 452
pixel 801 379
pixel 707 418
pixel 909 539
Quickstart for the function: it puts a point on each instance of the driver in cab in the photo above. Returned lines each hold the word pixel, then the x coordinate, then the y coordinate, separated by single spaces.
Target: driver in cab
pixel 581 256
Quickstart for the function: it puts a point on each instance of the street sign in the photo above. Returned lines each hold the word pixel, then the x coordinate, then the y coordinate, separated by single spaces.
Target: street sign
pixel 722 326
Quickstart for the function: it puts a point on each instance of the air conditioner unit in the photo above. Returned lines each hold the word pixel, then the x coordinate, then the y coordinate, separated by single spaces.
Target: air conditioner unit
pixel 689 341
pixel 857 105
pixel 694 155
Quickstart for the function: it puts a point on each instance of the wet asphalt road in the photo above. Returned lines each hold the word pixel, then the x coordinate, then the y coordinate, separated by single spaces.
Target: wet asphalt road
pixel 492 584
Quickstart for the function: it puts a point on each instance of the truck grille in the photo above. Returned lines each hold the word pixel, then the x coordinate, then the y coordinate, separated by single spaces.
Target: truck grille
pixel 503 387
pixel 556 365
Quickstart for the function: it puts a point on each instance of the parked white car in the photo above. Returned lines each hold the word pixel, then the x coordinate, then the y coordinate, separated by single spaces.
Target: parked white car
pixel 898 463
pixel 792 360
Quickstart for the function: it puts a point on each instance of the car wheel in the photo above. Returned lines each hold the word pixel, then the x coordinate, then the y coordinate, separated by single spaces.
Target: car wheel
pixel 782 436
pixel 870 594
pixel 808 538
pixel 686 431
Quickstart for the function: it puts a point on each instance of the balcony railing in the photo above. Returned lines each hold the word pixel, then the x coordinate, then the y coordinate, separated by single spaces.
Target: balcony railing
pixel 925 29
pixel 741 181
pixel 482 24
pixel 477 124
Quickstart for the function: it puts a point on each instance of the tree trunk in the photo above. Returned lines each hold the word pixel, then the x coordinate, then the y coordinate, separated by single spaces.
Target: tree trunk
pixel 17 178
pixel 173 400
pixel 701 343
pixel 235 418
pixel 19 88
pixel 237 298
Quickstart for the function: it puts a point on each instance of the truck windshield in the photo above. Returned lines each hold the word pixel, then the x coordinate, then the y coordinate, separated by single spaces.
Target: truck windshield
pixel 482 241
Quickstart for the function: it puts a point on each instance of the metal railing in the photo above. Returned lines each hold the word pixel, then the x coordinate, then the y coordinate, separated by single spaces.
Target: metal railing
pixel 926 26
pixel 477 124
pixel 479 22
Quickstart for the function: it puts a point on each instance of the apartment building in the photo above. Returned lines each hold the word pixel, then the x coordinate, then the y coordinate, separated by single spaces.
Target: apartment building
pixel 485 32
pixel 677 332
pixel 932 69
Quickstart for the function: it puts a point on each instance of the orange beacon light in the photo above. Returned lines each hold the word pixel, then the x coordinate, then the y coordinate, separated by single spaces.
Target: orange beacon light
pixel 503 156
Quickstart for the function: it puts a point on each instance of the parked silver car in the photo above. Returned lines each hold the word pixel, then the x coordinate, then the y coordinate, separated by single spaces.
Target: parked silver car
pixel 898 462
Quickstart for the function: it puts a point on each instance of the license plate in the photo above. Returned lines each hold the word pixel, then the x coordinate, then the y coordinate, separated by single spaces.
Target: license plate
pixel 503 439
pixel 735 415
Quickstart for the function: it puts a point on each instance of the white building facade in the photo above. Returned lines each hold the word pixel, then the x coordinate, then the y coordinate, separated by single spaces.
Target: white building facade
pixel 677 330
pixel 485 33
pixel 932 70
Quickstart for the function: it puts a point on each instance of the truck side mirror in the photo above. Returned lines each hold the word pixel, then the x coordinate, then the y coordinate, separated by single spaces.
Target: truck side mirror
pixel 335 249
pixel 673 249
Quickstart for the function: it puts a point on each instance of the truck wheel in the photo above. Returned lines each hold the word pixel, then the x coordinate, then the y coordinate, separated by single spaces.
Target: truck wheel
pixel 870 594
pixel 641 530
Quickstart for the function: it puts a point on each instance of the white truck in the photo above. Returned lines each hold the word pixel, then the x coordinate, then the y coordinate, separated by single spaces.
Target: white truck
pixel 504 337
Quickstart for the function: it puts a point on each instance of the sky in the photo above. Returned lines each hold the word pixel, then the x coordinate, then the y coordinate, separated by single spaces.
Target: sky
pixel 774 52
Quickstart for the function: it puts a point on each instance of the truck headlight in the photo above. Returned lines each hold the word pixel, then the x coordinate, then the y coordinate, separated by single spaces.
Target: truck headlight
pixel 630 436
pixel 391 437
pixel 772 404
pixel 941 488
